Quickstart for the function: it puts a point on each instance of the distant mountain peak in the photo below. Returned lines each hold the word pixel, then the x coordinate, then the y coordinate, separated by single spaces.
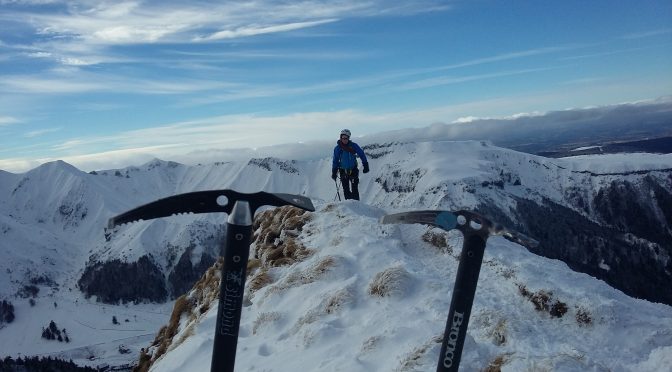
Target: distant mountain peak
pixel 156 163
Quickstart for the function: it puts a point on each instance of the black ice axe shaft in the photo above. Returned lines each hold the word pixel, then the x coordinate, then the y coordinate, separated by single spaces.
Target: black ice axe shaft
pixel 236 248
pixel 476 230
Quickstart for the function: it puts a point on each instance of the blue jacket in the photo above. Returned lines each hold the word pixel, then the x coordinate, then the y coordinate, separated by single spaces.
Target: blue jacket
pixel 344 156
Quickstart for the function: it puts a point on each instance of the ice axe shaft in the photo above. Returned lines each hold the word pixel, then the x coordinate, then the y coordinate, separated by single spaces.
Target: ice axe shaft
pixel 235 250
pixel 476 230
pixel 338 192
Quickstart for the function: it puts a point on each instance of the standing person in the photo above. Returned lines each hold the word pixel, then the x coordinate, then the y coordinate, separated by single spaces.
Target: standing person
pixel 345 163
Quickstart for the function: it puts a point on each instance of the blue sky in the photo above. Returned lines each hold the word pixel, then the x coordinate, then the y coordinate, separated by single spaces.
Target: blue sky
pixel 108 83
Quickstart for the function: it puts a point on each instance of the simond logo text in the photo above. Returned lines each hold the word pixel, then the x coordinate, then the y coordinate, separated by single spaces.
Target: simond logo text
pixel 452 339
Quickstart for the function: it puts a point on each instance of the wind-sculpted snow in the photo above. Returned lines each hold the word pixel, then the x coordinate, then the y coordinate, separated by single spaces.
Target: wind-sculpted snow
pixel 375 297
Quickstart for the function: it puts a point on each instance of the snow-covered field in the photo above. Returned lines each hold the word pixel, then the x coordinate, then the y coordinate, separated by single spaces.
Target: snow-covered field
pixel 94 339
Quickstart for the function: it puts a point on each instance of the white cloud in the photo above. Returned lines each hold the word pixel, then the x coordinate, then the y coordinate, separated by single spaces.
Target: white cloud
pixel 40 55
pixel 76 35
pixel 510 56
pixel 259 30
pixel 645 34
pixel 74 143
pixel 312 134
pixel 30 84
pixel 71 61
pixel 37 133
pixel 614 52
pixel 29 2
pixel 8 120
pixel 146 22
pixel 69 82
pixel 467 119
pixel 19 165
pixel 446 80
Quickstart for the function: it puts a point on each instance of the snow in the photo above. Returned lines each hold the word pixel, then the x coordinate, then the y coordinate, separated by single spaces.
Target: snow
pixel 584 148
pixel 334 323
pixel 619 163
pixel 94 338
pixel 52 219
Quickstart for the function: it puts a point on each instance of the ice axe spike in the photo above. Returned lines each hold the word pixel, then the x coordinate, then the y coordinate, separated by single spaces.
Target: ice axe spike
pixel 236 250
pixel 476 230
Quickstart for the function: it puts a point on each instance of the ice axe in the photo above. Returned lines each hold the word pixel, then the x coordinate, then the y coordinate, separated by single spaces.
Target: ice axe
pixel 235 250
pixel 476 230
pixel 338 191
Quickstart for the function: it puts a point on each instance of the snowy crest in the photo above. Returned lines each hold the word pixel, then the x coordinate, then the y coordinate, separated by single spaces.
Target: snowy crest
pixel 375 297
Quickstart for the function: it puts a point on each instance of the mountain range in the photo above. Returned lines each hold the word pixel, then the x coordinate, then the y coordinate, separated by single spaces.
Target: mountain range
pixel 598 219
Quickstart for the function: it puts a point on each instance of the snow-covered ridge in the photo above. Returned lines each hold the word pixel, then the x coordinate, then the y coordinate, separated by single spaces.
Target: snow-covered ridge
pixel 375 298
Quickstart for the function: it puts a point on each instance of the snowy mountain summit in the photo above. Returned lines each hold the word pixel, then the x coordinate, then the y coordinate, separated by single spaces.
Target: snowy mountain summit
pixel 371 297
pixel 336 290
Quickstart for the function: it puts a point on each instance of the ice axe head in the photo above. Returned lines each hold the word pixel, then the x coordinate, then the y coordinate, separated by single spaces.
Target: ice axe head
pixel 208 202
pixel 469 223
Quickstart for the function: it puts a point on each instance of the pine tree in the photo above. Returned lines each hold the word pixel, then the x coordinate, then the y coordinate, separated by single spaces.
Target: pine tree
pixel 6 312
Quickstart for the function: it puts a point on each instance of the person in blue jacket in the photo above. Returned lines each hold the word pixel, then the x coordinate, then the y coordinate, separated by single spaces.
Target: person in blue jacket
pixel 345 163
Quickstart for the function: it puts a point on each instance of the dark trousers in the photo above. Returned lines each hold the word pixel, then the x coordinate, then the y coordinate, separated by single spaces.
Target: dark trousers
pixel 350 180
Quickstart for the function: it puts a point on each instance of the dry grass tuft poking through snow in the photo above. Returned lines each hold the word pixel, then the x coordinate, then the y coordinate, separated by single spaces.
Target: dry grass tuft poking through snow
pixel 391 282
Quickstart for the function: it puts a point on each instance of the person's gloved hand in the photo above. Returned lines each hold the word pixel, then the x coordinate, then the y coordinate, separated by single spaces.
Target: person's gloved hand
pixel 366 167
pixel 333 174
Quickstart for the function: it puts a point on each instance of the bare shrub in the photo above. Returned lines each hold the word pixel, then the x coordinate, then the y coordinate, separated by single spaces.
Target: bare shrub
pixel 540 300
pixel 318 270
pixel 275 239
pixel 411 361
pixel 438 240
pixel 507 273
pixel 264 318
pixel 389 282
pixel 252 264
pixel 195 303
pixel 307 276
pixel 498 333
pixel 329 305
pixel 260 279
pixel 497 363
pixel 167 333
pixel 558 309
pixel 544 301
pixel 335 303
pixel 206 290
pixel 369 344
pixel 583 317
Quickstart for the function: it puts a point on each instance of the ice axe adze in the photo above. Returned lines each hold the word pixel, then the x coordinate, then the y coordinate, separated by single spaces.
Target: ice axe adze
pixel 240 208
pixel 476 230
